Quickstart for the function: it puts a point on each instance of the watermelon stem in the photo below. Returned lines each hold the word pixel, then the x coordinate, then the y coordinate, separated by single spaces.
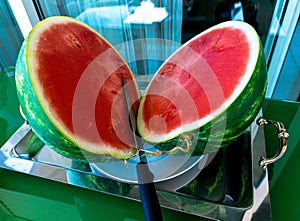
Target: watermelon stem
pixel 186 137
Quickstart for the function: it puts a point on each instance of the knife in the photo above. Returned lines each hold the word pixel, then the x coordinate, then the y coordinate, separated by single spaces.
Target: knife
pixel 148 195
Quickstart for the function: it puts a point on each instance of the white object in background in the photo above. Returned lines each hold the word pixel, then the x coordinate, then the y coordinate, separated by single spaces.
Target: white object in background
pixel 147 13
pixel 237 12
pixel 147 3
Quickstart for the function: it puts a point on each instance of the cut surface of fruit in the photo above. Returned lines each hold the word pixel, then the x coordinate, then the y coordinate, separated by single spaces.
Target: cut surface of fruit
pixel 70 80
pixel 211 75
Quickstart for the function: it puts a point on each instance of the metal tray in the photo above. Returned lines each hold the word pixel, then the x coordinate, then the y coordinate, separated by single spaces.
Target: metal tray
pixel 230 183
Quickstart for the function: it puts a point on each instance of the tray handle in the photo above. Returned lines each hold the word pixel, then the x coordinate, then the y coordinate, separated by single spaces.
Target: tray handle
pixel 282 136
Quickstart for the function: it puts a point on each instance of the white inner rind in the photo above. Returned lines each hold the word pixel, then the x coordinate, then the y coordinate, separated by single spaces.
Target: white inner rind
pixel 254 46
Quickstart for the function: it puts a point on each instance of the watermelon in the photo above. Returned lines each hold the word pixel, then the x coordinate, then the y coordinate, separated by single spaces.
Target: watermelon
pixel 70 86
pixel 69 81
pixel 207 93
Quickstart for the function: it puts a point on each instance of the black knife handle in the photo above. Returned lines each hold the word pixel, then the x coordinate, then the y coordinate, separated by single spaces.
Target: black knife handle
pixel 148 195
pixel 150 204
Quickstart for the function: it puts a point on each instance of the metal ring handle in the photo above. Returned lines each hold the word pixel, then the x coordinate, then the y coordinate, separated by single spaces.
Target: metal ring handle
pixel 282 136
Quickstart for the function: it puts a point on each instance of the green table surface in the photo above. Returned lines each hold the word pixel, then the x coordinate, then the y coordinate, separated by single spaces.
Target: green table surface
pixel 25 197
pixel 283 175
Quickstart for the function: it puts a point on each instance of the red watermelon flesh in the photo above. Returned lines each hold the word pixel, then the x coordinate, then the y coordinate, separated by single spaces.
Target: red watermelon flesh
pixel 77 79
pixel 196 83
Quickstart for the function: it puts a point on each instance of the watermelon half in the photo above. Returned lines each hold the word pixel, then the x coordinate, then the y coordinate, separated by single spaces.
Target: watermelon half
pixel 208 92
pixel 69 83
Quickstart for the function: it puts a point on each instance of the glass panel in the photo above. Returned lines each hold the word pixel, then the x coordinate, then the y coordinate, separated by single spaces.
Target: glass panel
pixel 147 36
pixel 11 37
pixel 288 83
pixel 282 42
pixel 10 42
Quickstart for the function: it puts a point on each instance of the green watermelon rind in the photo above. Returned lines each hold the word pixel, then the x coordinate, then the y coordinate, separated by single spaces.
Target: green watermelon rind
pixel 236 118
pixel 36 117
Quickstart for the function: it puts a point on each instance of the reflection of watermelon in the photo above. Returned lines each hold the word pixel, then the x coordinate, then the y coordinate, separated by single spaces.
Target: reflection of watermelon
pixel 69 81
pixel 96 182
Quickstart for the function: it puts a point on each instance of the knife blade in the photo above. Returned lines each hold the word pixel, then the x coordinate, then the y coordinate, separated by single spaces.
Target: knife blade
pixel 148 195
